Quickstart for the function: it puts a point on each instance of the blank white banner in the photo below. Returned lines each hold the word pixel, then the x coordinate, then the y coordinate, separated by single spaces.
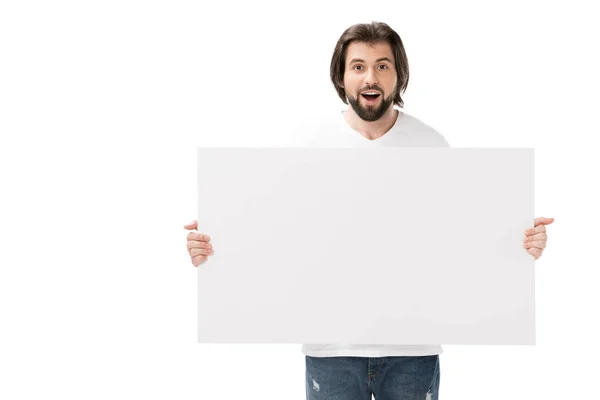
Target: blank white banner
pixel 390 245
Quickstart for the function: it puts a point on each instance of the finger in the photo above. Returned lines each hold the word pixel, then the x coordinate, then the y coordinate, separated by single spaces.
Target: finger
pixel 198 260
pixel 198 236
pixel 537 229
pixel 535 252
pixel 201 252
pixel 537 236
pixel 537 244
pixel 195 244
pixel 191 225
pixel 543 221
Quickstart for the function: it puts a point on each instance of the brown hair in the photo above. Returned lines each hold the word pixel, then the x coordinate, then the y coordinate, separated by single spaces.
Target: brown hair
pixel 375 32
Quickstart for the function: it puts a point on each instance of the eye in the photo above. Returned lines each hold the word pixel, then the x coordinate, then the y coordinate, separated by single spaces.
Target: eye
pixel 383 66
pixel 357 66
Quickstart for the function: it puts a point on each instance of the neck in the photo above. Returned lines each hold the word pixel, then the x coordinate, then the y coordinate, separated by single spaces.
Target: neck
pixel 375 129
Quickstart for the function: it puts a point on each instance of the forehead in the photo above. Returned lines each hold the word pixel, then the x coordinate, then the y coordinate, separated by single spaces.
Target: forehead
pixel 369 52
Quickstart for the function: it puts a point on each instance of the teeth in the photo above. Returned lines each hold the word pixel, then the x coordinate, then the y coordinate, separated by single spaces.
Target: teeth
pixel 370 93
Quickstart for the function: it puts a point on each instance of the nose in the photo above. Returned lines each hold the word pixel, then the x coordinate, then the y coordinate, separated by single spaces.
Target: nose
pixel 371 77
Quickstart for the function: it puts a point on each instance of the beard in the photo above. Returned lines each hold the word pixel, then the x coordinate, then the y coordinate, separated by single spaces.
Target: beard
pixel 370 113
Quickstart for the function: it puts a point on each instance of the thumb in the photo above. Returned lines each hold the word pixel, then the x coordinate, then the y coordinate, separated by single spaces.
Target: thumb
pixel 191 225
pixel 543 221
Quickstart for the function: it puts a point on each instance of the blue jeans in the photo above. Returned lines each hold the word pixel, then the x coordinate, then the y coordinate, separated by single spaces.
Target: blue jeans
pixel 387 378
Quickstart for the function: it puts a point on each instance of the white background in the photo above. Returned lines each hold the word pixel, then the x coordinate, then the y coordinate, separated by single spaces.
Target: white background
pixel 102 105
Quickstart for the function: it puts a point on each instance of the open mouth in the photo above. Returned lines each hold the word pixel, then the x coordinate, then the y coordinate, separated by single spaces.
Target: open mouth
pixel 370 96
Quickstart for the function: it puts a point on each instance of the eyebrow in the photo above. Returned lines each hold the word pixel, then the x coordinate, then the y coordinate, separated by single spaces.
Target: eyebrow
pixel 354 60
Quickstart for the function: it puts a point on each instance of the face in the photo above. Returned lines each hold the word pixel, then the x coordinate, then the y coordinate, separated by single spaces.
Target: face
pixel 370 79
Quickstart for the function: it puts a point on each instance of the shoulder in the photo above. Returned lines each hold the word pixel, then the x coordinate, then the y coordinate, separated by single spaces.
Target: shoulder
pixel 408 124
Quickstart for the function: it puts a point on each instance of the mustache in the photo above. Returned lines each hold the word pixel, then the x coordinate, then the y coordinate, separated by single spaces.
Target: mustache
pixel 366 88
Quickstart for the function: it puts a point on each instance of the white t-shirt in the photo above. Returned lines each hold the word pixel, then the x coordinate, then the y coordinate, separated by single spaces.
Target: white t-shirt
pixel 407 131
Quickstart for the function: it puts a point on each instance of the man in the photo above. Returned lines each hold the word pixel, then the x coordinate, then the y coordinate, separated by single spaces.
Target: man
pixel 369 70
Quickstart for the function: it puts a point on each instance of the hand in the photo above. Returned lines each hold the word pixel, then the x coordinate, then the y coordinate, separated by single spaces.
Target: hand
pixel 198 244
pixel 535 238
